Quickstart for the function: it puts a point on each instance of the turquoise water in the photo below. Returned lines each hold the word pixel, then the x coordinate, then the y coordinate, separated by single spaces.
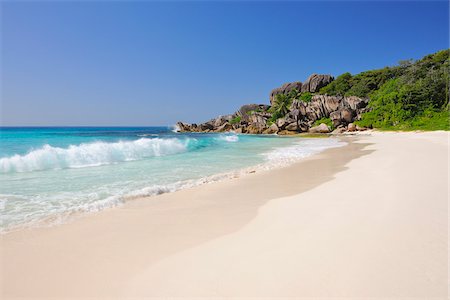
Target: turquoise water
pixel 49 174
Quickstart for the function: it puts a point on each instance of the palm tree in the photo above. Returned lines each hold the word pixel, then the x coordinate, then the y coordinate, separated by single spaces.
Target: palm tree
pixel 281 105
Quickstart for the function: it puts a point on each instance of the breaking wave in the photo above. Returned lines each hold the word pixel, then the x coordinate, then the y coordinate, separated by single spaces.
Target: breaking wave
pixel 92 154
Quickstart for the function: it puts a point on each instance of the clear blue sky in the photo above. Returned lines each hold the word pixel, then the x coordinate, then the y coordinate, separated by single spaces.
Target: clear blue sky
pixel 153 63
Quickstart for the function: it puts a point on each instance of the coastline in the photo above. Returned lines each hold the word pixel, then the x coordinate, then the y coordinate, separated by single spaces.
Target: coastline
pixel 222 239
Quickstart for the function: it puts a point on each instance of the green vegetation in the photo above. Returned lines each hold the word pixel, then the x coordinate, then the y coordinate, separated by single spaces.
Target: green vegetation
pixel 235 120
pixel 326 121
pixel 413 95
pixel 283 103
pixel 306 97
pixel 251 112
pixel 280 106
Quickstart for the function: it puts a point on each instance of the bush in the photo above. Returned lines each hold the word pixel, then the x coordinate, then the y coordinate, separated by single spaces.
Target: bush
pixel 235 120
pixel 306 97
pixel 339 86
pixel 326 121
pixel 413 95
pixel 281 105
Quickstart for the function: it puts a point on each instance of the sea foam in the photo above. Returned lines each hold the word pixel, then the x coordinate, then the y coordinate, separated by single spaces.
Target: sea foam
pixel 91 154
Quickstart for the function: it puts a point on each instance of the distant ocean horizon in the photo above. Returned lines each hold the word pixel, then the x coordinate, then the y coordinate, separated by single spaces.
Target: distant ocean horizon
pixel 49 173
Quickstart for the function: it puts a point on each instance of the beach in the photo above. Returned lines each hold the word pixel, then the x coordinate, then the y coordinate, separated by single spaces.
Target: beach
pixel 367 220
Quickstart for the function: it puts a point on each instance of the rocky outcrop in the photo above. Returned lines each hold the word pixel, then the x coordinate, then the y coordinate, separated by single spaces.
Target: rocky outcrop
pixel 285 89
pixel 315 82
pixel 255 118
pixel 302 114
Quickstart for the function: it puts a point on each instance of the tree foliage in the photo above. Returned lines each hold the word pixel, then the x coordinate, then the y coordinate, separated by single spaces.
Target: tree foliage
pixel 404 96
pixel 281 105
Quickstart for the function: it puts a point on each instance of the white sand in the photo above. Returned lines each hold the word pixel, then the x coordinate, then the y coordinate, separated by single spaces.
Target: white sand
pixel 366 220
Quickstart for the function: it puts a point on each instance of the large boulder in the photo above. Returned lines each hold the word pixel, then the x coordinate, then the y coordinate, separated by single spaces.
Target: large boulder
pixel 351 127
pixel 246 110
pixel 224 127
pixel 256 128
pixel 315 82
pixel 322 128
pixel 355 102
pixel 206 127
pixel 343 116
pixel 292 127
pixel 183 127
pixel 272 129
pixel 220 120
pixel 285 89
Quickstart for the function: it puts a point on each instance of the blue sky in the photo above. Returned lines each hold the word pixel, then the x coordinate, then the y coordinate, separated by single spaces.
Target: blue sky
pixel 153 63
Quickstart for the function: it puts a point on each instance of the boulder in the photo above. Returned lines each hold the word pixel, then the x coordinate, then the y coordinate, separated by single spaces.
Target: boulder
pixel 272 129
pixel 286 132
pixel 292 127
pixel 220 120
pixel 322 128
pixel 342 117
pixel 351 127
pixel 224 127
pixel 258 118
pixel 285 89
pixel 359 128
pixel 206 127
pixel 315 82
pixel 339 130
pixel 355 102
pixel 183 127
pixel 347 115
pixel 239 130
pixel 281 123
pixel 256 128
pixel 245 110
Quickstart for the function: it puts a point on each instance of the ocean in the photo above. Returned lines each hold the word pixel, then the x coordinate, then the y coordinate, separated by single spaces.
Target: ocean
pixel 48 174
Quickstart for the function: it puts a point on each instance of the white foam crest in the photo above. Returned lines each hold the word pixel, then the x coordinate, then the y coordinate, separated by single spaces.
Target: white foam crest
pixel 284 155
pixel 229 138
pixel 175 128
pixel 92 154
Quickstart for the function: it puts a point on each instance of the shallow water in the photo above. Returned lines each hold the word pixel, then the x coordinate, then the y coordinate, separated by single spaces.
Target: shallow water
pixel 48 174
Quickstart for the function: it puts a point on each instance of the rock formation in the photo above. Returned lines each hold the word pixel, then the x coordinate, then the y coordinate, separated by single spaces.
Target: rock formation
pixel 315 82
pixel 301 117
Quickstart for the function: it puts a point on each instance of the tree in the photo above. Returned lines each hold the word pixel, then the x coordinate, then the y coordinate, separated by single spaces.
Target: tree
pixel 281 105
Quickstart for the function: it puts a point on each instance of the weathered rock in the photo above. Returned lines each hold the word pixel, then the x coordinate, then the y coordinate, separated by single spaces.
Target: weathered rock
pixel 285 89
pixel 339 130
pixel 183 127
pixel 281 123
pixel 256 128
pixel 351 127
pixel 355 102
pixel 359 128
pixel 224 127
pixel 258 118
pixel 245 110
pixel 286 132
pixel 292 127
pixel 342 116
pixel 239 130
pixel 315 82
pixel 206 126
pixel 272 129
pixel 220 120
pixel 347 115
pixel 322 128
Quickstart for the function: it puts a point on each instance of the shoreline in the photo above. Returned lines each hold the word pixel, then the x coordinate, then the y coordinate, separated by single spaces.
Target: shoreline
pixel 156 190
pixel 176 244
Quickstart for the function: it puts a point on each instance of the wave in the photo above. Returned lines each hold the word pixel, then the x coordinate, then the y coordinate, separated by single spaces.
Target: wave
pixel 285 155
pixel 229 138
pixel 92 154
